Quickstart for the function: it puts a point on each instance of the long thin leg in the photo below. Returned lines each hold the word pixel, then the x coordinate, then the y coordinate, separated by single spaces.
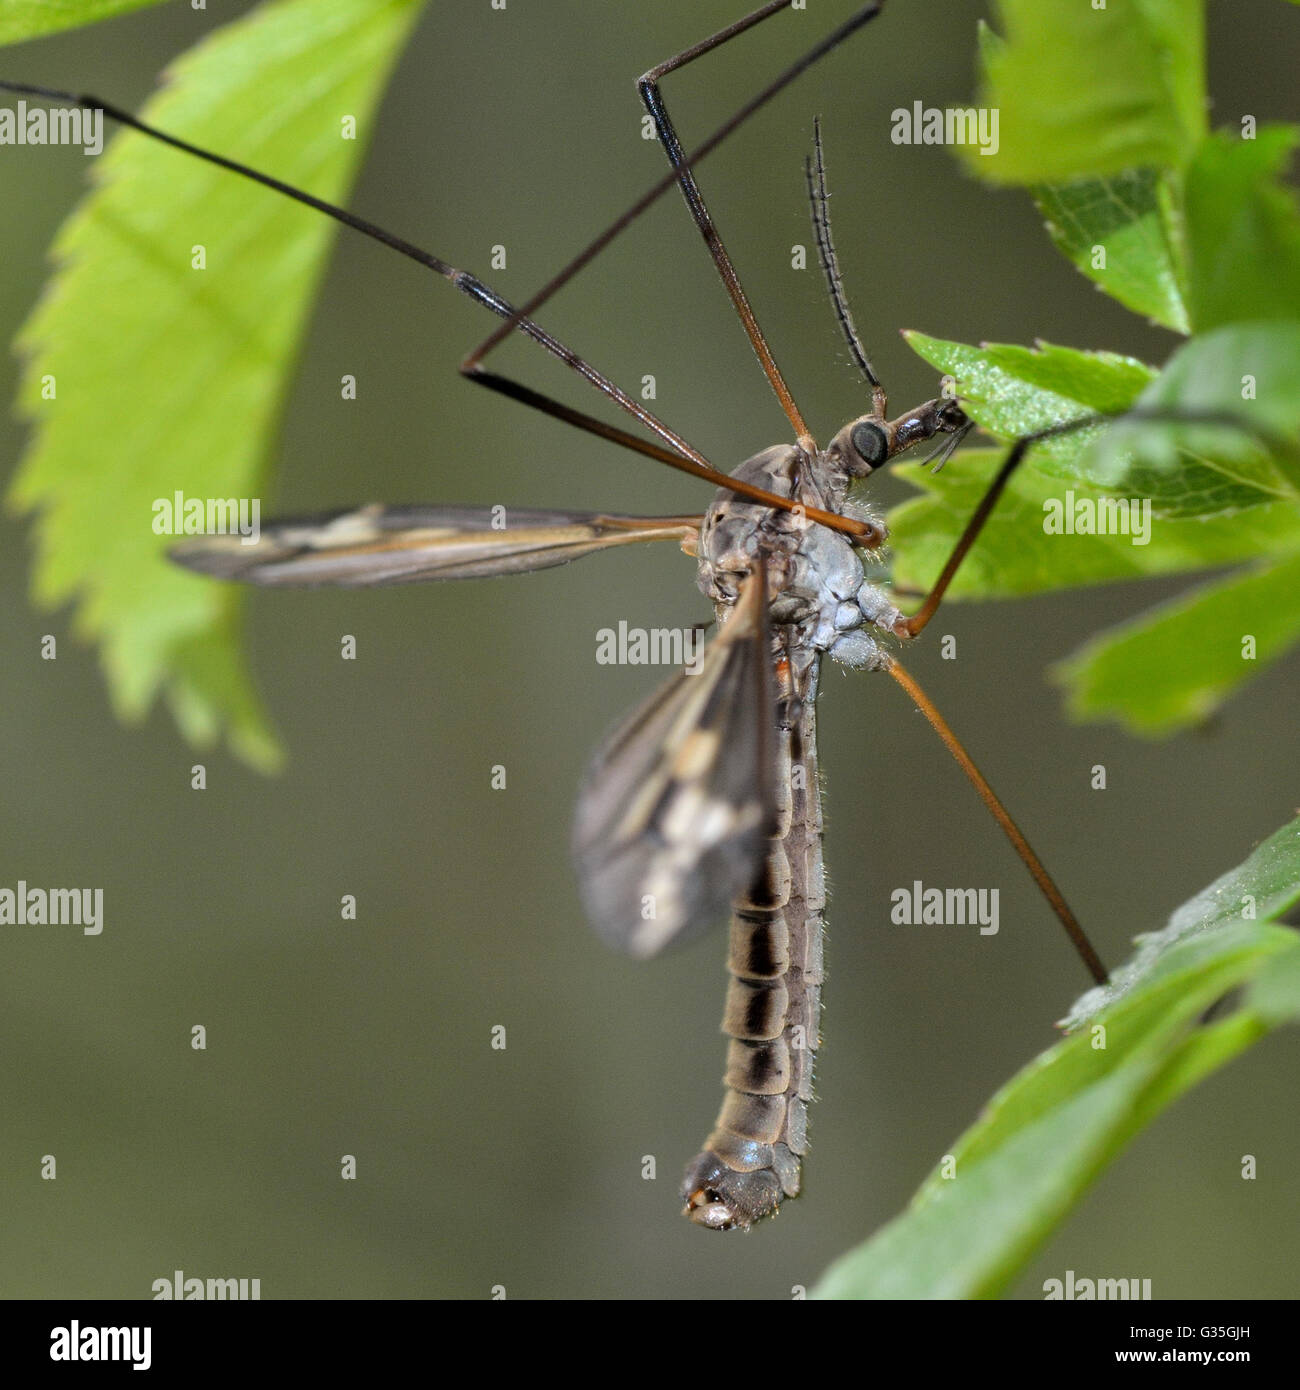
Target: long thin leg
pixel 869 535
pixel 1012 831
pixel 648 86
pixel 910 626
pixel 588 254
pixel 681 456
pixel 970 534
pixel 468 284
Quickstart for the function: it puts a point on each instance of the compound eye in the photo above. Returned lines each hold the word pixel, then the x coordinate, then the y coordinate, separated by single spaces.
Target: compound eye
pixel 952 416
pixel 870 443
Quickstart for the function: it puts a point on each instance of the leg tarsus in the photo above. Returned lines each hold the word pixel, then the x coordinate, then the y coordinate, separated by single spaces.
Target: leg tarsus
pixel 1046 884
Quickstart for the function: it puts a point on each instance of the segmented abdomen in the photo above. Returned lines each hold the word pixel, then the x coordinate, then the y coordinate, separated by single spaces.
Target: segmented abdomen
pixel 751 1160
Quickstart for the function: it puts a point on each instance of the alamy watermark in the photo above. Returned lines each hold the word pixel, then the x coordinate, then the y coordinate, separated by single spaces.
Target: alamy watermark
pixel 955 125
pixel 53 907
pixel 1098 1290
pixel 1098 516
pixel 179 515
pixel 77 1342
pixel 193 1289
pixel 946 907
pixel 58 125
pixel 653 646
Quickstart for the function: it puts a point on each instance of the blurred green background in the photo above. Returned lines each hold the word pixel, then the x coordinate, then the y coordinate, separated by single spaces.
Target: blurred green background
pixel 522 1168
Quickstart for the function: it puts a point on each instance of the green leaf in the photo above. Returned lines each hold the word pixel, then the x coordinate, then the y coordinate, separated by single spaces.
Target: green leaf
pixel 1261 889
pixel 1275 993
pixel 1016 555
pixel 1129 216
pixel 1012 391
pixel 1084 92
pixel 991 42
pixel 1171 668
pixel 31 19
pixel 1248 371
pixel 969 1245
pixel 1056 1125
pixel 1185 470
pixel 1243 229
pixel 172 378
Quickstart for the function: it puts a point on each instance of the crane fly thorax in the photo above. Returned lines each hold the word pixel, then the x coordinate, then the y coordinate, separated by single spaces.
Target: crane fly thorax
pixel 816 581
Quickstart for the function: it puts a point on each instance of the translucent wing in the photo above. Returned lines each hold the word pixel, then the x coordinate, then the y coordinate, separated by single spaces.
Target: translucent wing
pixel 673 815
pixel 399 545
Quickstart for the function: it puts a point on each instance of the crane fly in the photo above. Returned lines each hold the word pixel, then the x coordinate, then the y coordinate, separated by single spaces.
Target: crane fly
pixel 706 797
